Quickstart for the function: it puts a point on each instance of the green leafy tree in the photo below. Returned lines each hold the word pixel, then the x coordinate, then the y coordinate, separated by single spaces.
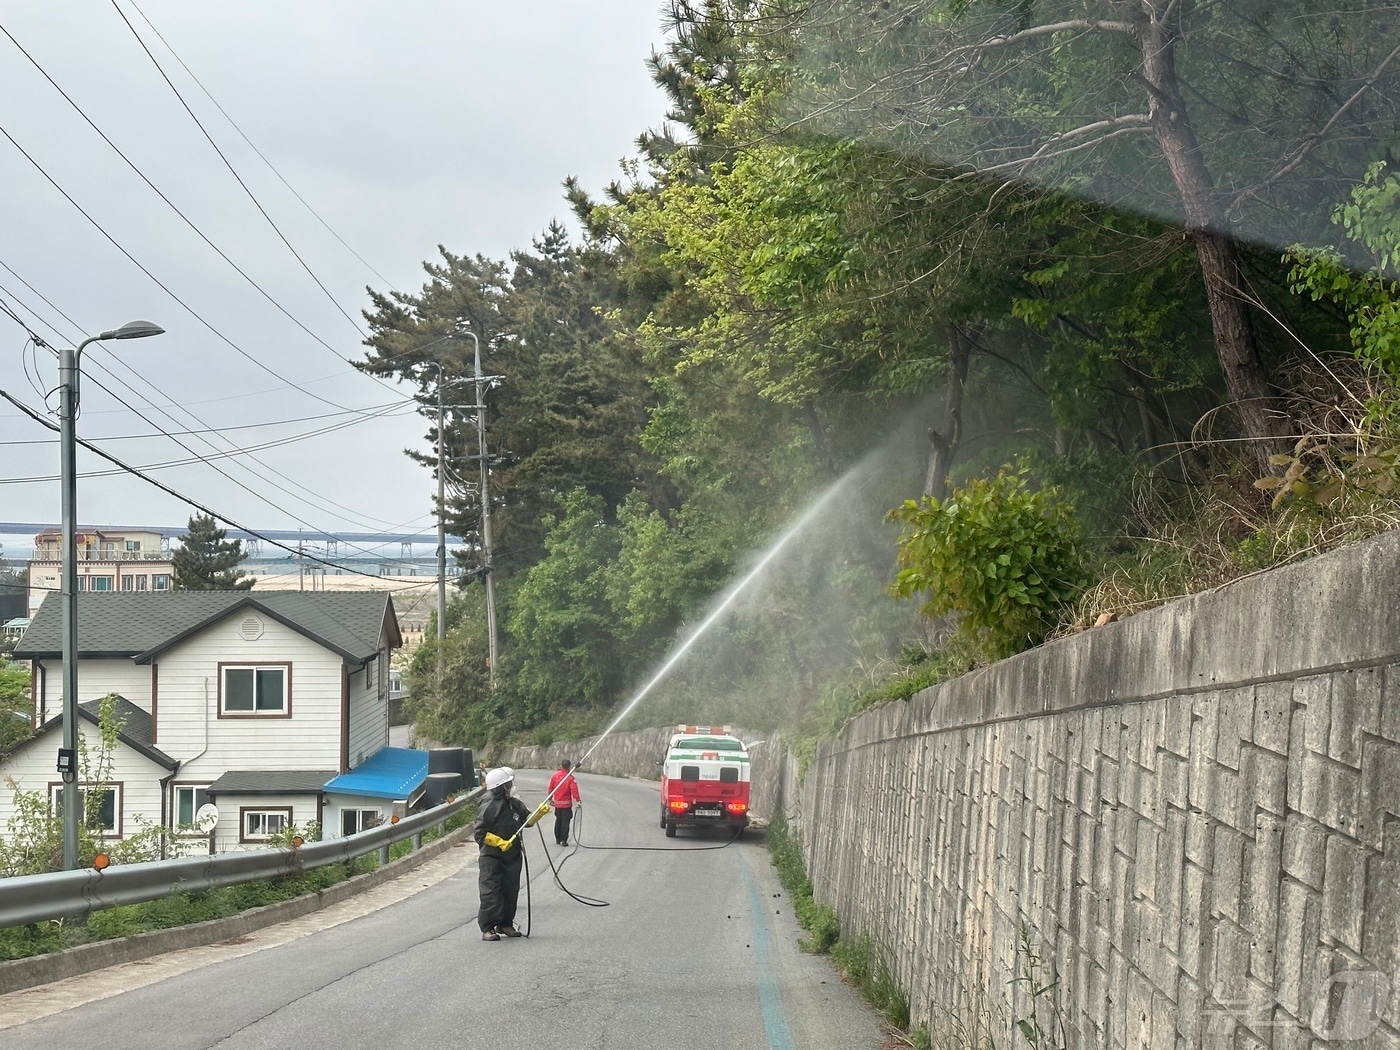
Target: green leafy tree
pixel 207 561
pixel 563 652
pixel 1002 556
pixel 15 705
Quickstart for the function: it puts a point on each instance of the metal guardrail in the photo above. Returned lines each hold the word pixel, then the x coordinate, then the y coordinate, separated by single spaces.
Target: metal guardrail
pixel 59 894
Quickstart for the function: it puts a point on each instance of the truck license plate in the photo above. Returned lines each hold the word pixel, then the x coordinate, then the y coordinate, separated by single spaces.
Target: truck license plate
pixel 708 811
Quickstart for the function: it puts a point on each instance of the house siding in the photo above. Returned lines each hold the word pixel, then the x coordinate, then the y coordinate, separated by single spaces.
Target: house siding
pixel 96 678
pixel 305 810
pixel 207 745
pixel 369 713
pixel 33 768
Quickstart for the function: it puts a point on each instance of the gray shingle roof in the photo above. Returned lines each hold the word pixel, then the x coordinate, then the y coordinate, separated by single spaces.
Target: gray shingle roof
pixel 135 729
pixel 271 782
pixel 131 623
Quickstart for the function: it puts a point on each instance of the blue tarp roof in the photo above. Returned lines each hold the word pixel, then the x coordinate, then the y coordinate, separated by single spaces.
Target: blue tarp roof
pixel 391 772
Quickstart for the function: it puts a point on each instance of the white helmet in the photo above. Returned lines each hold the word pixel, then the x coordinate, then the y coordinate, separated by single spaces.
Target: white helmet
pixel 498 776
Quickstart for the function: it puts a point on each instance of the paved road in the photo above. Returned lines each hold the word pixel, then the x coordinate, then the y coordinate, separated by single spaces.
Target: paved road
pixel 697 950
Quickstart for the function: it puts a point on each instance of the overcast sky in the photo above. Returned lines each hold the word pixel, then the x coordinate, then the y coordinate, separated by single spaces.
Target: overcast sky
pixel 405 125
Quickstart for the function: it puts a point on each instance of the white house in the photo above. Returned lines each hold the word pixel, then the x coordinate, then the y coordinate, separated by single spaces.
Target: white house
pixel 271 705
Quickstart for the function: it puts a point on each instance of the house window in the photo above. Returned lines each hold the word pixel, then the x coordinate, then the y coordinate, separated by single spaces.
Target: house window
pixel 160 582
pixel 188 799
pixel 354 820
pixel 370 668
pixel 95 583
pixel 101 814
pixel 250 690
pixel 140 582
pixel 259 825
pixel 133 545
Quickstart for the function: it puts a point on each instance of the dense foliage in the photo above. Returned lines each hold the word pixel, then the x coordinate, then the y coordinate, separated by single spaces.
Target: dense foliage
pixel 1018 269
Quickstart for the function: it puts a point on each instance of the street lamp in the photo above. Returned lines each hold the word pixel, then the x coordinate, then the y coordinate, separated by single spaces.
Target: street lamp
pixel 69 361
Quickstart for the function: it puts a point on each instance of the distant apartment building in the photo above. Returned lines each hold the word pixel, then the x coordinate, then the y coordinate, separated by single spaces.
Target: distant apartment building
pixel 108 560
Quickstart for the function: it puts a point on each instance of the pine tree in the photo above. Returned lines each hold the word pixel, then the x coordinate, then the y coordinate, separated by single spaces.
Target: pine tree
pixel 207 561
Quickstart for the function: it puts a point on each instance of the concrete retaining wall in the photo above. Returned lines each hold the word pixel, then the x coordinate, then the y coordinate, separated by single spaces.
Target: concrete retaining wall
pixel 1192 816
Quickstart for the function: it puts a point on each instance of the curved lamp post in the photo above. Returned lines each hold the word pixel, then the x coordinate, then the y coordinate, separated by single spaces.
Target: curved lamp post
pixel 69 362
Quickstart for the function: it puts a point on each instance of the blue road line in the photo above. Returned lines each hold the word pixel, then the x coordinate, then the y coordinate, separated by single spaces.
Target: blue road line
pixel 774 1020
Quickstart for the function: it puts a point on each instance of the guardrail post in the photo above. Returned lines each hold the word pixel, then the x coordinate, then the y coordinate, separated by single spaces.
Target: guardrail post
pixel 418 841
pixel 383 855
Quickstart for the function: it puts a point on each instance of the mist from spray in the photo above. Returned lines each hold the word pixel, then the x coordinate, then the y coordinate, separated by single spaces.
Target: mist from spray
pixel 730 596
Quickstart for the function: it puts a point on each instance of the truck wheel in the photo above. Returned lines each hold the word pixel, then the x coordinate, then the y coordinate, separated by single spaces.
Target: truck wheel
pixel 670 831
pixel 663 818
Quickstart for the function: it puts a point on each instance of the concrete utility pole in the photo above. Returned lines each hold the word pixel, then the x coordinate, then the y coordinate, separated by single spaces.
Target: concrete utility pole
pixel 69 364
pixel 441 522
pixel 491 646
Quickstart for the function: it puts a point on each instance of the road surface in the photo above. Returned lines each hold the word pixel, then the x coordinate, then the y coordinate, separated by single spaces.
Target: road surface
pixel 695 950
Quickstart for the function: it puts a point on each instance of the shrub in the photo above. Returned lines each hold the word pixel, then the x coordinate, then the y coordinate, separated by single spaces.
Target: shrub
pixel 1005 558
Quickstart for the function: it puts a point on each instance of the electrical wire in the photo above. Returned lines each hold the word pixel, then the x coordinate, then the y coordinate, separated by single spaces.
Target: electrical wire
pixel 298 494
pixel 202 508
pixel 232 171
pixel 171 204
pixel 253 146
pixel 157 281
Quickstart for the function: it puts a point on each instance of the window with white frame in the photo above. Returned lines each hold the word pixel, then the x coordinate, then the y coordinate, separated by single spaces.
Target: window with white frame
pixel 370 668
pixel 354 820
pixel 160 582
pixel 100 806
pixel 261 824
pixel 133 545
pixel 140 582
pixel 250 690
pixel 95 583
pixel 188 799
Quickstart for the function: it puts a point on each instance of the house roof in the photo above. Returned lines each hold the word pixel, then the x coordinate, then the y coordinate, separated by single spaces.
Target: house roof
pixel 141 625
pixel 135 730
pixel 271 782
pixel 391 772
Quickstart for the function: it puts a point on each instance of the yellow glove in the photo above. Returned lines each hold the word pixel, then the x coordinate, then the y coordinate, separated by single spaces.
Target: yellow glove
pixel 540 811
pixel 492 839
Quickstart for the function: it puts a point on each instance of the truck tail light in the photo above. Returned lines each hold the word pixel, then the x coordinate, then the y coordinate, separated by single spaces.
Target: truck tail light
pixel 678 805
pixel 737 807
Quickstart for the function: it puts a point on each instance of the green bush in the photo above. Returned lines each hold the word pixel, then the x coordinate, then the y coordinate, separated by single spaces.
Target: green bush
pixel 1005 558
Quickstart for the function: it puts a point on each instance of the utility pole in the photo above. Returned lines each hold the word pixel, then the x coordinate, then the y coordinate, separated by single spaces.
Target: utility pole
pixel 441 526
pixel 69 374
pixel 491 646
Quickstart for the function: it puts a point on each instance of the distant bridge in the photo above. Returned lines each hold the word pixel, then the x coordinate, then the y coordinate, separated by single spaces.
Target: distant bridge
pixel 20 528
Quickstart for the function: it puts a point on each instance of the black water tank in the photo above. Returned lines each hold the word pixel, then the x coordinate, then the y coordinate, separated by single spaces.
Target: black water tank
pixel 453 760
pixel 439 787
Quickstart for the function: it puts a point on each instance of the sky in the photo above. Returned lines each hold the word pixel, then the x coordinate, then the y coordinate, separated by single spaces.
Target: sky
pixel 404 125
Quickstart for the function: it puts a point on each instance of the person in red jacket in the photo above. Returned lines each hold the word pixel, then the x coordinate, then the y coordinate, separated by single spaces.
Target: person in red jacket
pixel 563 795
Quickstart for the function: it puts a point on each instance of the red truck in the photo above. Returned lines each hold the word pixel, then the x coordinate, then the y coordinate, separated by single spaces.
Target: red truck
pixel 704 780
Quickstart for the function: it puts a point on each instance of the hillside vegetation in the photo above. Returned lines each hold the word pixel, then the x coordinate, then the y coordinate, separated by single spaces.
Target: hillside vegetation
pixel 1060 309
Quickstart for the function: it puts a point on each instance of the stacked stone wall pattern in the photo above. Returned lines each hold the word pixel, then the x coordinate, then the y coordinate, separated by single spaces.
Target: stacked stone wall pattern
pixel 1193 817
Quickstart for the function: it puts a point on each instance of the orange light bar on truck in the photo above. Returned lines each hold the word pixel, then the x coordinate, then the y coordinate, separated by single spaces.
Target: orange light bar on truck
pixel 737 807
pixel 678 805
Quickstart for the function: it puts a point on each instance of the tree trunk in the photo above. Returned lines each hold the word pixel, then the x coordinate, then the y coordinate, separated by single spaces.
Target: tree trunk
pixel 945 444
pixel 1245 380
pixel 819 442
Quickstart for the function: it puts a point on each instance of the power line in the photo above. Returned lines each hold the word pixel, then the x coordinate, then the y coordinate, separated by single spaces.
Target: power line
pixel 193 457
pixel 253 146
pixel 157 281
pixel 171 204
pixel 232 171
pixel 296 495
pixel 232 523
